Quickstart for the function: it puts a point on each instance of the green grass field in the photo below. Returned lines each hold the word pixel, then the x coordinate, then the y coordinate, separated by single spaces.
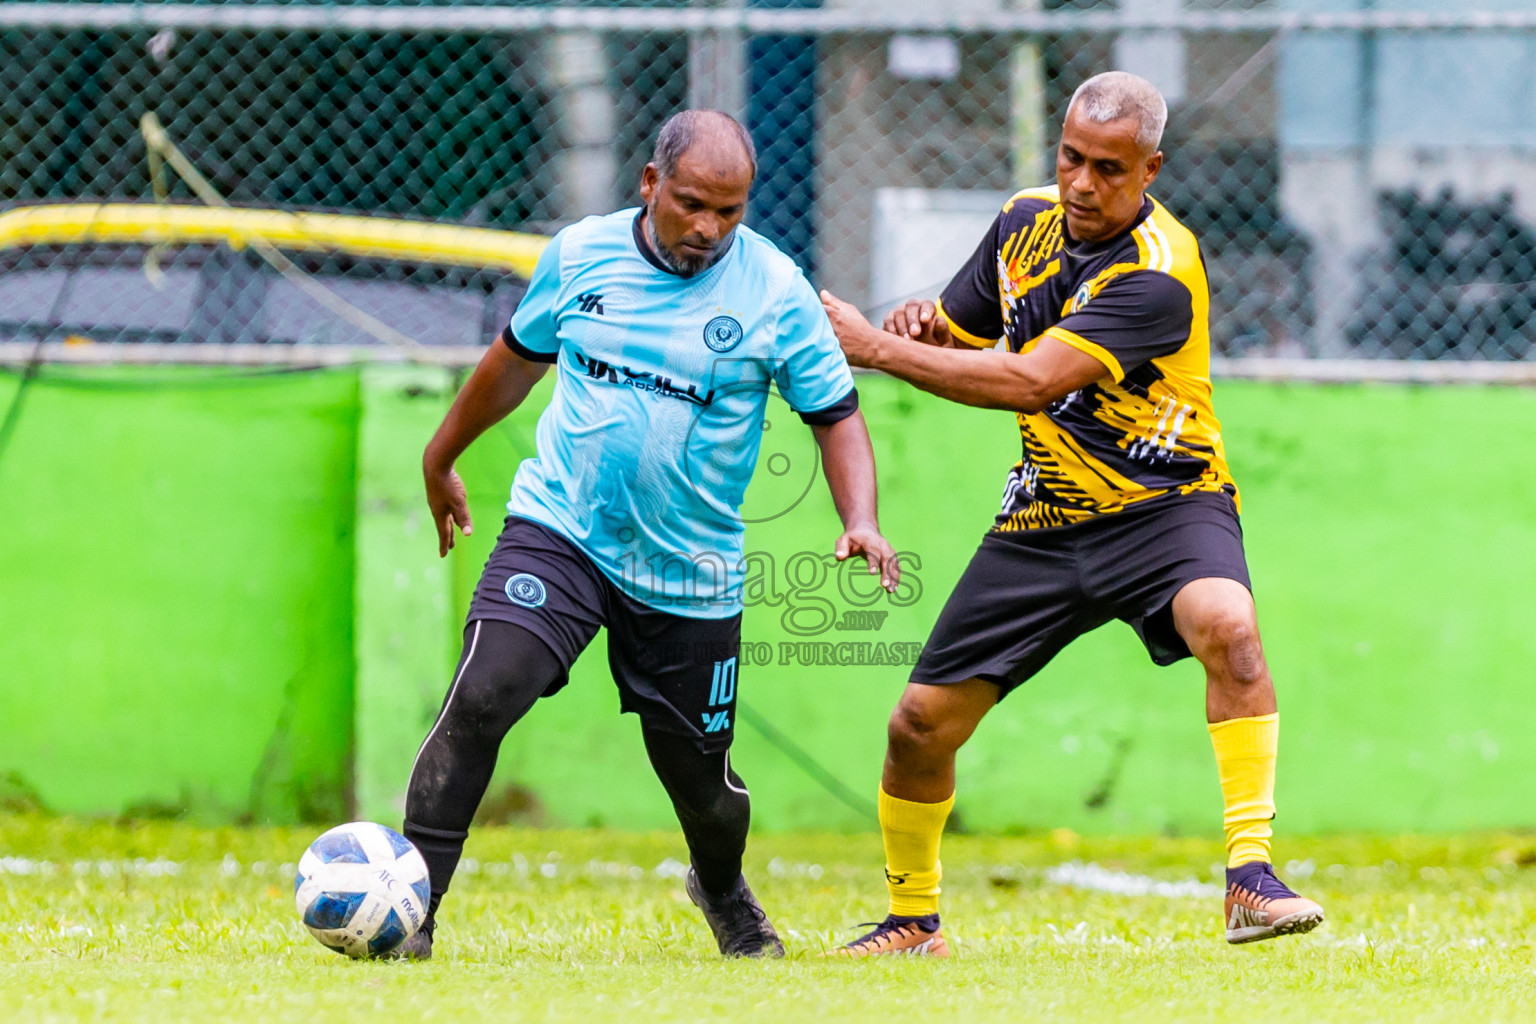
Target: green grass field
pixel 165 921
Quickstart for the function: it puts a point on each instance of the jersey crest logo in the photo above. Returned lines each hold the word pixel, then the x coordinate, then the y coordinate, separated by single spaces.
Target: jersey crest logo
pixel 590 302
pixel 723 333
pixel 525 589
pixel 1080 299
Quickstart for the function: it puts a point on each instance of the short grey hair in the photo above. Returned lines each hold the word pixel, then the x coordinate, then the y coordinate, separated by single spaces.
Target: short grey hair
pixel 681 131
pixel 1118 94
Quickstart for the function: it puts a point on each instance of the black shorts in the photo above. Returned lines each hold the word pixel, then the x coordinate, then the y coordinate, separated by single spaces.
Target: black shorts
pixel 677 673
pixel 1029 593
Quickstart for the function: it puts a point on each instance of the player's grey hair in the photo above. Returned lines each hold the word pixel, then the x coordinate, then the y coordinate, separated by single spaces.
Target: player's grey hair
pixel 1116 94
pixel 682 129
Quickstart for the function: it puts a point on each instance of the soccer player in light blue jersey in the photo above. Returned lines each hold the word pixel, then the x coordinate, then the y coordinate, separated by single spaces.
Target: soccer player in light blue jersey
pixel 666 327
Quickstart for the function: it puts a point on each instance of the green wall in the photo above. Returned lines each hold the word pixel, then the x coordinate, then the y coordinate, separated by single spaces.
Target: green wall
pixel 176 551
pixel 406 635
pixel 1393 550
pixel 222 595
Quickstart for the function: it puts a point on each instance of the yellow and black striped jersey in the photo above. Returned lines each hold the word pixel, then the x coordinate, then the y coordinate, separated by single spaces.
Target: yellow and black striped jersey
pixel 1139 303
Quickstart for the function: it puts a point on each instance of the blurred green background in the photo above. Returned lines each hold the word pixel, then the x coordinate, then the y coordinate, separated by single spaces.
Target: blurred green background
pixel 221 599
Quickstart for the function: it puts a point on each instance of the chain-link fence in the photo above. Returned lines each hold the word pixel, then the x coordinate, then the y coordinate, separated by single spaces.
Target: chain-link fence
pixel 1361 173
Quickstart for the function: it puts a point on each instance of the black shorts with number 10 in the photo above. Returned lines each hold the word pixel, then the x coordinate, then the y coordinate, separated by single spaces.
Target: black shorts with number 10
pixel 677 673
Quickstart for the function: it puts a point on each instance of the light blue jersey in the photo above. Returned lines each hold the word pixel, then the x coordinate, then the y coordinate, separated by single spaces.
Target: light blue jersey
pixel 647 447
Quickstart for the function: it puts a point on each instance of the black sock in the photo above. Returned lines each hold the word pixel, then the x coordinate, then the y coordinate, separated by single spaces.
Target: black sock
pixel 503 670
pixel 441 850
pixel 711 803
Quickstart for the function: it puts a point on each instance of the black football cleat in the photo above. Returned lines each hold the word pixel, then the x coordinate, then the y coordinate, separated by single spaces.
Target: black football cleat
pixel 740 926
pixel 417 947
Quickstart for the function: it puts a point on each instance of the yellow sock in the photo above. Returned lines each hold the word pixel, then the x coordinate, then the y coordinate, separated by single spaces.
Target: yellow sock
pixel 912 870
pixel 1245 760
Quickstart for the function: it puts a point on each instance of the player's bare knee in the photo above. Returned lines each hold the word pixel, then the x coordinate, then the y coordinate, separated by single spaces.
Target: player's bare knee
pixel 1227 643
pixel 914 733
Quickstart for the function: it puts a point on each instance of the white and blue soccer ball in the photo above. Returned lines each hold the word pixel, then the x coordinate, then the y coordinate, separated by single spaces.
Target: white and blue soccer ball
pixel 362 889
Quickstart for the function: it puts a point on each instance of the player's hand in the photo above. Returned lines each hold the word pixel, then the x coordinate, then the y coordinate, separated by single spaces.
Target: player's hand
pixel 919 320
pixel 858 337
pixel 449 505
pixel 877 552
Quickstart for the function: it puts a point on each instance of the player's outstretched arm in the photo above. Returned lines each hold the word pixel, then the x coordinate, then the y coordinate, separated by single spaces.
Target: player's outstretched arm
pixel 985 378
pixel 848 460
pixel 498 385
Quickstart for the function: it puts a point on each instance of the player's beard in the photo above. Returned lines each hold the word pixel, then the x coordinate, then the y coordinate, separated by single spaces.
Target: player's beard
pixel 681 263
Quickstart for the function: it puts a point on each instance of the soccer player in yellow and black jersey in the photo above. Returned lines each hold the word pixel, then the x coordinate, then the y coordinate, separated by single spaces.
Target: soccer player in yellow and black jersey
pixel 1134 303
pixel 1120 508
